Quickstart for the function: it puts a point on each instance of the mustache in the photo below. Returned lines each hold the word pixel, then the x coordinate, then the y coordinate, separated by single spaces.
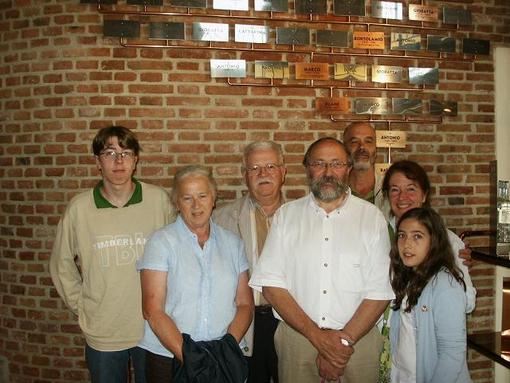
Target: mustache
pixel 262 180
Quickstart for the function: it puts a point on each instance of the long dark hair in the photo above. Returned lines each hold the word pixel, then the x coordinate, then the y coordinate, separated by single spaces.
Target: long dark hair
pixel 411 282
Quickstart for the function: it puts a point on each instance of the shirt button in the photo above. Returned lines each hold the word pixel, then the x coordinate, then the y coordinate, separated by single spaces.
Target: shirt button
pixel 326 239
pixel 323 318
pixel 324 291
pixel 325 265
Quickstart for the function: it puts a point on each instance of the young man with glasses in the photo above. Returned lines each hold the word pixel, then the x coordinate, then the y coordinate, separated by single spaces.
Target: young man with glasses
pixel 92 265
pixel 250 217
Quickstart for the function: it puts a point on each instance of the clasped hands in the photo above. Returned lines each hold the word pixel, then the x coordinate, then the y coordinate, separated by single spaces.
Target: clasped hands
pixel 333 355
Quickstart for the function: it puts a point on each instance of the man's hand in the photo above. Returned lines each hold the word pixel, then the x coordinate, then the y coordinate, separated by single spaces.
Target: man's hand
pixel 465 255
pixel 330 346
pixel 326 370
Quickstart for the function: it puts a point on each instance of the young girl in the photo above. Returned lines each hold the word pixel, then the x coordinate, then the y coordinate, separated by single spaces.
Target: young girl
pixel 428 327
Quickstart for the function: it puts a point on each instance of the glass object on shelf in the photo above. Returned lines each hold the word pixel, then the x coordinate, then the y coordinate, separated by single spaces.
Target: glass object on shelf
pixel 503 228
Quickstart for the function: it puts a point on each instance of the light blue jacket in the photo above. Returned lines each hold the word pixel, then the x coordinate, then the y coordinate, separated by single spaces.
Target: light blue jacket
pixel 440 332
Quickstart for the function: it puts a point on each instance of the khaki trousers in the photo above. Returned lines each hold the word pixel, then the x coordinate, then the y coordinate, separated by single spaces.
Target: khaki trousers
pixel 296 358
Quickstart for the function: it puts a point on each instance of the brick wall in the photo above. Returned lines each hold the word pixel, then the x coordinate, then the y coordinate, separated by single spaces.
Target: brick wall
pixel 60 81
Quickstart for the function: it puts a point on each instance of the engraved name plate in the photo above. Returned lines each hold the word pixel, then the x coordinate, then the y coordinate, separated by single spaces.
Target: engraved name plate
pixel 443 108
pixel 371 105
pixel 166 31
pixel 386 74
pixel 271 69
pixel 441 43
pixel 420 12
pixel 387 10
pixel 390 138
pixel 121 28
pixel 405 41
pixel 312 71
pixel 351 72
pixel 311 6
pixel 476 46
pixel 272 5
pixel 189 3
pixel 231 5
pixel 293 36
pixel 368 40
pixel 457 16
pixel 332 104
pixel 349 7
pixel 381 168
pixel 333 38
pixel 419 76
pixel 407 106
pixel 251 33
pixel 228 68
pixel 210 32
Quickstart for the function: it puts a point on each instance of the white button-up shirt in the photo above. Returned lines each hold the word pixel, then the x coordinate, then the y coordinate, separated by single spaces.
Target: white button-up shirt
pixel 329 262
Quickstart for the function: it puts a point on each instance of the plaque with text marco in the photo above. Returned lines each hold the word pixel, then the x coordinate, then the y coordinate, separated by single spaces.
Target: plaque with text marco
pixel 312 71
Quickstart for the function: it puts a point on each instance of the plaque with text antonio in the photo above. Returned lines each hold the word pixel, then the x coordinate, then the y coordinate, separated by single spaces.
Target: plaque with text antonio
pixel 419 12
pixel 331 105
pixel 386 74
pixel 368 40
pixel 371 105
pixel 405 41
pixel 423 76
pixel 210 32
pixel 387 10
pixel 311 6
pixel 349 7
pixel 332 38
pixel 406 106
pixel 251 33
pixel 293 36
pixel 351 72
pixel 228 68
pixel 231 5
pixel 271 69
pixel 272 5
pixel 312 71
pixel 391 138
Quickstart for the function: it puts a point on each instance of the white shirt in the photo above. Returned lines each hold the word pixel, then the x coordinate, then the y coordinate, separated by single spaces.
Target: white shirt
pixel 329 263
pixel 403 364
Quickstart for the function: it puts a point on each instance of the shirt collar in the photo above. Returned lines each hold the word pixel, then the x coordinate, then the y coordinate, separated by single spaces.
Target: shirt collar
pixel 184 229
pixel 255 205
pixel 315 205
pixel 102 203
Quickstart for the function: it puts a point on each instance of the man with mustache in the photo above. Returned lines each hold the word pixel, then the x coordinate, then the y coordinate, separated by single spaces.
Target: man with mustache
pixel 250 217
pixel 324 269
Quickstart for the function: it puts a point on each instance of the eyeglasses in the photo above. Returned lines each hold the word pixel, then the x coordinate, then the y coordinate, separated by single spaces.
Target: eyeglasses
pixel 324 164
pixel 112 155
pixel 257 169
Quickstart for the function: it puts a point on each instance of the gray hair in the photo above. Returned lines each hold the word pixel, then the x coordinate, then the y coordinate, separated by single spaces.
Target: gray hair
pixel 258 145
pixel 192 170
pixel 306 159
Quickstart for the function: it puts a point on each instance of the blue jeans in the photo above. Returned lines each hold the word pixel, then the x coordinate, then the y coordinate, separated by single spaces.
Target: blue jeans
pixel 112 366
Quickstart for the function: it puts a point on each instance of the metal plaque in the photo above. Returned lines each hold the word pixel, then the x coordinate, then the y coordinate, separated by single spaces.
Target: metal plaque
pixel 371 105
pixel 251 33
pixel 333 38
pixel 368 40
pixel 457 16
pixel 98 1
pixel 390 139
pixel 381 168
pixel 421 12
pixel 228 68
pixel 311 6
pixel 312 71
pixel 121 28
pixel 386 74
pixel 145 2
pixel 272 5
pixel 443 108
pixel 293 36
pixel 387 10
pixel 441 43
pixel 476 46
pixel 351 72
pixel 406 106
pixel 349 7
pixel 271 69
pixel 332 104
pixel 428 76
pixel 189 3
pixel 210 32
pixel 405 41
pixel 166 31
pixel 231 5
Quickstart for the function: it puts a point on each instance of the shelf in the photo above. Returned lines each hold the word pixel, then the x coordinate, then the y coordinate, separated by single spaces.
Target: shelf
pixel 492 345
pixel 488 255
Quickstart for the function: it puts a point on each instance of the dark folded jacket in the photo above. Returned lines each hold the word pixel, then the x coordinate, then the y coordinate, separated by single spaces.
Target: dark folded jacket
pixel 215 361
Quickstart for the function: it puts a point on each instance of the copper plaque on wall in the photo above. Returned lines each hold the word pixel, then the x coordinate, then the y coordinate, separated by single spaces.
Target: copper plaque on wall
pixel 387 10
pixel 371 105
pixel 386 74
pixel 272 5
pixel 406 106
pixel 368 40
pixel 419 12
pixel 332 38
pixel 251 33
pixel 293 36
pixel 391 139
pixel 312 71
pixel 210 32
pixel 332 104
pixel 351 72
pixel 228 68
pixel 405 41
pixel 271 69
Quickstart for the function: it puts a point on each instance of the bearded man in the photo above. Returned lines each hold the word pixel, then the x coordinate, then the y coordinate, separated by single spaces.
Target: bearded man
pixel 324 270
